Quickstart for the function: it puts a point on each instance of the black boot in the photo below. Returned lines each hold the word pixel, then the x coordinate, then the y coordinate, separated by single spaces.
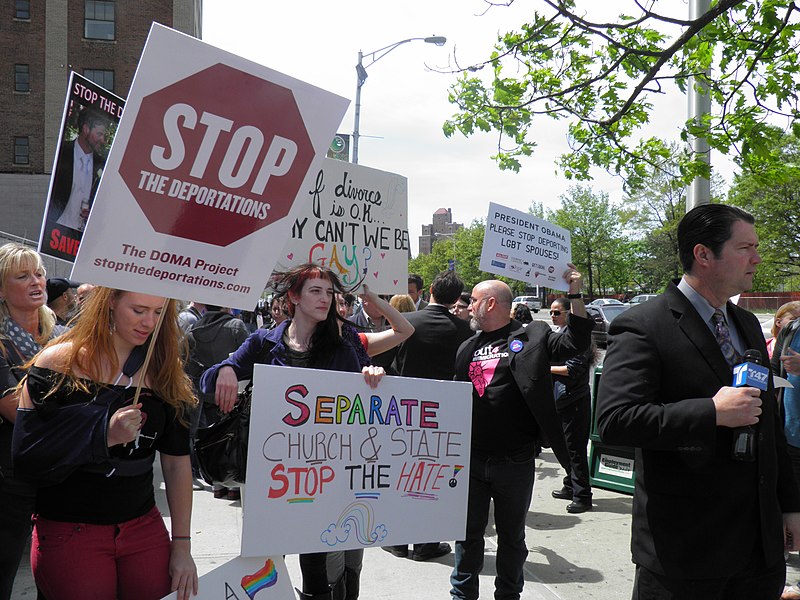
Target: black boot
pixel 352 579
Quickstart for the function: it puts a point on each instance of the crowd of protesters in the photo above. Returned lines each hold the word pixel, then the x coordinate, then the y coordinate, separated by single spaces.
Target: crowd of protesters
pixel 87 479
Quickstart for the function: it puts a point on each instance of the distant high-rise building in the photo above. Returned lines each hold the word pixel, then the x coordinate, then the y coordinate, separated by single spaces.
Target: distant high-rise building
pixel 43 41
pixel 441 228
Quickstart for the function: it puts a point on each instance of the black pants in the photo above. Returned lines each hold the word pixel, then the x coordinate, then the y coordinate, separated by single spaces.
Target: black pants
pixel 314 569
pixel 16 507
pixel 576 420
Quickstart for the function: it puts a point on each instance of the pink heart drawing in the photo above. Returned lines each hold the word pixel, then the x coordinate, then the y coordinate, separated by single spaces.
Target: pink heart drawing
pixel 383 254
pixel 290 256
pixel 395 281
pixel 376 274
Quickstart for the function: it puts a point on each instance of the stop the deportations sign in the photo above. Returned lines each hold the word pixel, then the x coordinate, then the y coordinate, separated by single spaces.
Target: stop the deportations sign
pixel 211 152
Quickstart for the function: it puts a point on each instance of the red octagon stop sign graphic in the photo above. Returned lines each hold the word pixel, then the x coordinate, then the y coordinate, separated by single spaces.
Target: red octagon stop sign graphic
pixel 217 156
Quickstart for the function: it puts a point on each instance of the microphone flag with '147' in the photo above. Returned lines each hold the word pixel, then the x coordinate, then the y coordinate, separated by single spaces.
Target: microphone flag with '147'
pixel 750 373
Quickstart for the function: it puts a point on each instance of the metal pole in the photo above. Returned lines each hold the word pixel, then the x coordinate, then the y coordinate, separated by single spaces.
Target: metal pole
pixel 359 83
pixel 361 77
pixel 699 105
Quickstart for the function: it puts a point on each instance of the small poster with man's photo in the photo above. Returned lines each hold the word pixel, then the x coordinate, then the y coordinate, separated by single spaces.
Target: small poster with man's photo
pixel 91 116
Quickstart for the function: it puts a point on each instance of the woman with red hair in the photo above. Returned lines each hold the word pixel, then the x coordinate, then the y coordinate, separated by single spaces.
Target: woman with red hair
pixel 98 532
pixel 309 338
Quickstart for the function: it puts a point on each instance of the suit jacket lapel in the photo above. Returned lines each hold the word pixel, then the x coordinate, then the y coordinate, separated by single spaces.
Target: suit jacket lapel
pixel 750 337
pixel 699 334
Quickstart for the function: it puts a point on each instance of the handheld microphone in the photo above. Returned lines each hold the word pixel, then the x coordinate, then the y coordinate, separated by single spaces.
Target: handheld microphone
pixel 750 373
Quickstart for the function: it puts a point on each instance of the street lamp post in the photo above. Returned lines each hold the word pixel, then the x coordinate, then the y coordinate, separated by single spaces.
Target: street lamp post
pixel 361 76
pixel 699 191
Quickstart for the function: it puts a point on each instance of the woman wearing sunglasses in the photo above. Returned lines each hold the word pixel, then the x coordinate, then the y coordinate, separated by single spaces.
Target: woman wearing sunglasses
pixel 573 405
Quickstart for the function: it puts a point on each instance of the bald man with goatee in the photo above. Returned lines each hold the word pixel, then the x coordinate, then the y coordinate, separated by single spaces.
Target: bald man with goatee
pixel 512 410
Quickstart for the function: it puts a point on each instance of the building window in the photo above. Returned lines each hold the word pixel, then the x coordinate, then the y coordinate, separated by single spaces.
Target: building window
pixel 98 20
pixel 22 78
pixel 22 9
pixel 21 150
pixel 103 78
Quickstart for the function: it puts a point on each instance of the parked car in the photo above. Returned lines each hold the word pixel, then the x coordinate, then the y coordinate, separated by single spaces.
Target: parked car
pixel 604 301
pixel 532 302
pixel 641 299
pixel 602 316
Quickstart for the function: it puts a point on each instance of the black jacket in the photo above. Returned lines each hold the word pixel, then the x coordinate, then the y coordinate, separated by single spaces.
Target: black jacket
pixel 430 352
pixel 211 340
pixel 530 368
pixel 62 181
pixel 697 513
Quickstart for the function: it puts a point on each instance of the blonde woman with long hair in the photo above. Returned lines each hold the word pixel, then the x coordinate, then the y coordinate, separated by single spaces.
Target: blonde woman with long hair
pixel 111 539
pixel 25 325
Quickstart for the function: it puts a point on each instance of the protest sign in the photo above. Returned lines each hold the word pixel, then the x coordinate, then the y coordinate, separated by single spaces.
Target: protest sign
pixel 91 116
pixel 526 248
pixel 244 578
pixel 197 195
pixel 354 220
pixel 335 465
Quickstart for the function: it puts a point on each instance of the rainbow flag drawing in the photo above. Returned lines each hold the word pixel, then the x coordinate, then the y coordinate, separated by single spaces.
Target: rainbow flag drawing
pixel 263 578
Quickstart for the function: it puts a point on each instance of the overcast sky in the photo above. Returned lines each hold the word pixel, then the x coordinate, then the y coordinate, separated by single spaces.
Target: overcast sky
pixel 404 103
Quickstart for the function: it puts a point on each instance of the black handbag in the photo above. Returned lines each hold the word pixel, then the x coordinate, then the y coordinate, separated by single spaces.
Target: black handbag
pixel 221 448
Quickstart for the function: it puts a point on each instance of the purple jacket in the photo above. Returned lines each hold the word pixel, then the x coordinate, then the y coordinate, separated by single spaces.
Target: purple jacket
pixel 242 361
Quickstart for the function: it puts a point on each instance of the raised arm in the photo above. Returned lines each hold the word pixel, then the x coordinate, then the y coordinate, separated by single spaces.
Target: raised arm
pixel 386 340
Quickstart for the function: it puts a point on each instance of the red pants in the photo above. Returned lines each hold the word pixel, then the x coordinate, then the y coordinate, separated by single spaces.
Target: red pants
pixel 77 561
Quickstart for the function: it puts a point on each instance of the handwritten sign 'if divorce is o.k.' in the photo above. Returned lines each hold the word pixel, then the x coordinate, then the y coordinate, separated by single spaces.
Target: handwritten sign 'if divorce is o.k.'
pixel 335 465
pixel 356 223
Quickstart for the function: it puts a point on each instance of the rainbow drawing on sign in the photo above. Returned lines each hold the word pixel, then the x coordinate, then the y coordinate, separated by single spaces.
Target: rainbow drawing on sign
pixel 263 578
pixel 356 518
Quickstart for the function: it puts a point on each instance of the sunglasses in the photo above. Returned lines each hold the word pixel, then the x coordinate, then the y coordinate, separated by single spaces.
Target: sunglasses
pixel 555 313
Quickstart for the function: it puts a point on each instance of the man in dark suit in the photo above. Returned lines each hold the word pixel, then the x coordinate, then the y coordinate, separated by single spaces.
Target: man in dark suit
pixel 512 411
pixel 430 353
pixel 705 524
pixel 80 164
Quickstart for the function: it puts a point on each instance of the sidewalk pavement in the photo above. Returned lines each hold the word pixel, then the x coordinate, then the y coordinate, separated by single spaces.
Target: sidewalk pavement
pixel 572 557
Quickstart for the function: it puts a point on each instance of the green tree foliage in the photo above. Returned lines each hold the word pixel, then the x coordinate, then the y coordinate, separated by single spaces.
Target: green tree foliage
pixel 536 209
pixel 602 78
pixel 468 245
pixel 771 192
pixel 652 213
pixel 599 250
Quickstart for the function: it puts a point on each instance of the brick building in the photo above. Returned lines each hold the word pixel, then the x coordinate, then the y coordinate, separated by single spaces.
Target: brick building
pixel 442 227
pixel 43 41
